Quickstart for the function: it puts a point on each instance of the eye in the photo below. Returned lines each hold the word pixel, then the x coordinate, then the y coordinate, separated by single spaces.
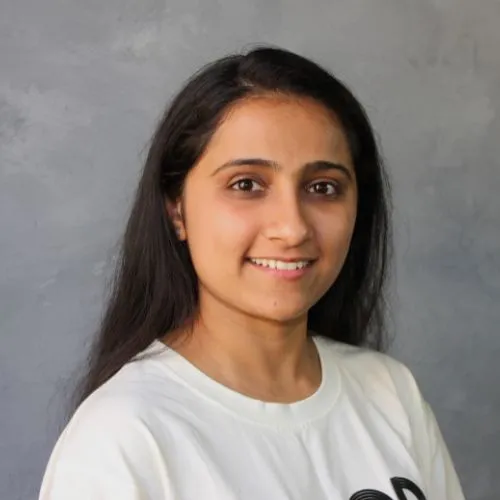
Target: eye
pixel 247 185
pixel 324 188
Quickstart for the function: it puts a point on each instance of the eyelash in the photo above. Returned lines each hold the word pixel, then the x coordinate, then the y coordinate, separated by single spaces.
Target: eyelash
pixel 333 184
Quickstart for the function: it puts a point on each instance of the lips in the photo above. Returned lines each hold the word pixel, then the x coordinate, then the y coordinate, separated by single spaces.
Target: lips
pixel 282 265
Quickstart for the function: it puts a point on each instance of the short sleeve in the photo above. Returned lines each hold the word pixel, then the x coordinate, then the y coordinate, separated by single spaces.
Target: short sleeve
pixel 436 465
pixel 435 458
pixel 105 452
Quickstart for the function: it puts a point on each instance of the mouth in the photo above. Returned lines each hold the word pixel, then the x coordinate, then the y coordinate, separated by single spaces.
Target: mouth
pixel 282 265
pixel 289 270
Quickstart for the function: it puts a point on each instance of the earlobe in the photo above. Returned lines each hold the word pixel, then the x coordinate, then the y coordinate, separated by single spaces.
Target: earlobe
pixel 174 211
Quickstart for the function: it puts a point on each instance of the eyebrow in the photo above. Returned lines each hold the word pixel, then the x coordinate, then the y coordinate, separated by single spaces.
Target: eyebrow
pixel 315 166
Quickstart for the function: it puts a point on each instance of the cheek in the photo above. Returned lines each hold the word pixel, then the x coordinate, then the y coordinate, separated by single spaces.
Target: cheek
pixel 335 232
pixel 219 231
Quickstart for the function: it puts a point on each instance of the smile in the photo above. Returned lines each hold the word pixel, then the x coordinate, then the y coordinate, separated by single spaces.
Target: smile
pixel 281 265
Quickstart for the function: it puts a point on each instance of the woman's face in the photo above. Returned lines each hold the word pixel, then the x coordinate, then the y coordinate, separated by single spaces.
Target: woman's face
pixel 269 209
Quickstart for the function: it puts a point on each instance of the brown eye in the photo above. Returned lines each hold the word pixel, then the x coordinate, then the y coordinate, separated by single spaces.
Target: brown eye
pixel 324 188
pixel 247 185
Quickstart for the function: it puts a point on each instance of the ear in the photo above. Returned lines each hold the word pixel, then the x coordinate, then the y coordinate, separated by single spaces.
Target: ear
pixel 174 211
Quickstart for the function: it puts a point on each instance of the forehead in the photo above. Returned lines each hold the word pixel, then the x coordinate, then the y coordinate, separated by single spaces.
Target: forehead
pixel 280 128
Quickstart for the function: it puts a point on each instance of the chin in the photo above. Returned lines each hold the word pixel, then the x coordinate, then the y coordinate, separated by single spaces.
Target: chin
pixel 282 313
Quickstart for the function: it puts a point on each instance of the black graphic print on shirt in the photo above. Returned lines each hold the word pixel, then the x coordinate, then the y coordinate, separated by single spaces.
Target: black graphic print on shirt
pixel 401 486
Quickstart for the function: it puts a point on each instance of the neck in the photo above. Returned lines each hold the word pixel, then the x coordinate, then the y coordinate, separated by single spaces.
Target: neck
pixel 261 358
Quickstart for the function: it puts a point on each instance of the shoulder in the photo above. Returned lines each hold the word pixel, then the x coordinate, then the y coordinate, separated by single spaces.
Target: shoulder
pixel 126 407
pixel 363 361
pixel 112 435
pixel 112 417
pixel 109 448
pixel 374 373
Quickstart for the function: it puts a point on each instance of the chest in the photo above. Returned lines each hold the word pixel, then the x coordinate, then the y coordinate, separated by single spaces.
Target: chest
pixel 342 456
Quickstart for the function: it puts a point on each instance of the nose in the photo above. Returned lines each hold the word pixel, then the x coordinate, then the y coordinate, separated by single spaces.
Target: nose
pixel 287 221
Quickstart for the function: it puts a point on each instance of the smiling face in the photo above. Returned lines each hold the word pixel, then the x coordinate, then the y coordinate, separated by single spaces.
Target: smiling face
pixel 269 210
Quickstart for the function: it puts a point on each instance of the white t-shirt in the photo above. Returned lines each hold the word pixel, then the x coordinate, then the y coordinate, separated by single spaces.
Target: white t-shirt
pixel 162 429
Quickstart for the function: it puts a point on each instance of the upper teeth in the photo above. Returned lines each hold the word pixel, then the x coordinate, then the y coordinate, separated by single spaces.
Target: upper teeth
pixel 279 264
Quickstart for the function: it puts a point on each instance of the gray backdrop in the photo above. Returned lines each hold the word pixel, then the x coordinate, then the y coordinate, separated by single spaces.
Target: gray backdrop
pixel 81 85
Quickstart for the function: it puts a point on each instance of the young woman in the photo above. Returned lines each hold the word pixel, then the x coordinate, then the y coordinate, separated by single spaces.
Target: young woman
pixel 238 358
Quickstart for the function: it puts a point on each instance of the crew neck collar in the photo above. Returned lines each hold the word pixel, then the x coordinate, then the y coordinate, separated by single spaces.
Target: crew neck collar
pixel 251 409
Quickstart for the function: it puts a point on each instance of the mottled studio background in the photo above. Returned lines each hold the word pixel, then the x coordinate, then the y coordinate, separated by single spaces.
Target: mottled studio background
pixel 81 85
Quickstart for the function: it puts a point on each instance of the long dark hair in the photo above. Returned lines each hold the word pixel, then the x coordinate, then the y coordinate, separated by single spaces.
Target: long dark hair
pixel 155 287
